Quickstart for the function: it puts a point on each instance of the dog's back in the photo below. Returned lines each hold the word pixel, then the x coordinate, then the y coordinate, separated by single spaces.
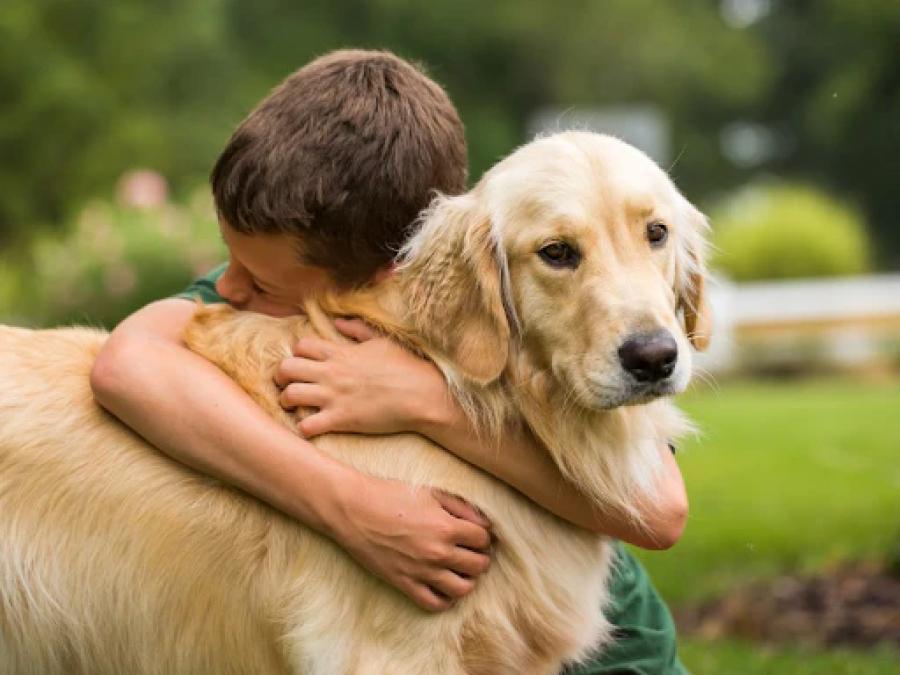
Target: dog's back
pixel 115 559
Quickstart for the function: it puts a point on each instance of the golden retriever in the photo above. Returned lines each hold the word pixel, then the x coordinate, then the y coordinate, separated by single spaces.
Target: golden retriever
pixel 559 293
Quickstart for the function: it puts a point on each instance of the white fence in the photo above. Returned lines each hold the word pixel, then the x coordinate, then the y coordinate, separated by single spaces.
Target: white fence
pixel 850 321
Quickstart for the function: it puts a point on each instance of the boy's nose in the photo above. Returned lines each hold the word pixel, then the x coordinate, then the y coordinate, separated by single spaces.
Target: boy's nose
pixel 232 288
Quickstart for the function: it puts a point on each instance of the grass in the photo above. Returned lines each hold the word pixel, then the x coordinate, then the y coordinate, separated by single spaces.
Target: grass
pixel 785 477
pixel 737 658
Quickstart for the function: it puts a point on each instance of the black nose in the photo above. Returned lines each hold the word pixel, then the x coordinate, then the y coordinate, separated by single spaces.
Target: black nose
pixel 649 357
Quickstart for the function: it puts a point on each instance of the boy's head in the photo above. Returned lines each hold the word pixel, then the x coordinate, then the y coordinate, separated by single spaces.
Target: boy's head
pixel 339 160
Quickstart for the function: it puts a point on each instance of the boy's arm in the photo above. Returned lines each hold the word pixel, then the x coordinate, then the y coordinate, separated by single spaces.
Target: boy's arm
pixel 520 460
pixel 377 387
pixel 425 543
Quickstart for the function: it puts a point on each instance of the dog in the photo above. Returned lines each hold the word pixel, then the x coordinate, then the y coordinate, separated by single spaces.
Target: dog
pixel 564 292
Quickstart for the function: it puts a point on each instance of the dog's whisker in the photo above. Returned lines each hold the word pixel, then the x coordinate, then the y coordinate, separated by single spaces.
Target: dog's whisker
pixel 677 158
pixel 707 378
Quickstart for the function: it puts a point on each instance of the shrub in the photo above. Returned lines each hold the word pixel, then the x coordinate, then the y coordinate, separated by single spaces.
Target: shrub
pixel 778 231
pixel 110 261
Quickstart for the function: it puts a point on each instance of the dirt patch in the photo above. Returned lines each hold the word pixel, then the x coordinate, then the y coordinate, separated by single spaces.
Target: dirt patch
pixel 854 605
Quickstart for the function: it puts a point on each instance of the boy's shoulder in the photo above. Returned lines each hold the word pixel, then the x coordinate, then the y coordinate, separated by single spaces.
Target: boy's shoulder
pixel 204 288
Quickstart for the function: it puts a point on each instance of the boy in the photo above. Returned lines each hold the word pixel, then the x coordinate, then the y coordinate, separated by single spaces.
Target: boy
pixel 318 187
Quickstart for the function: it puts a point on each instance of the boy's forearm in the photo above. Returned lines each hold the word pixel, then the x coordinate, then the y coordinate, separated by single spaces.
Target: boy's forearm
pixel 429 546
pixel 214 426
pixel 520 461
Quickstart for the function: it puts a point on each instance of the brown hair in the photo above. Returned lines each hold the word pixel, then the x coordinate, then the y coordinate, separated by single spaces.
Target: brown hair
pixel 343 155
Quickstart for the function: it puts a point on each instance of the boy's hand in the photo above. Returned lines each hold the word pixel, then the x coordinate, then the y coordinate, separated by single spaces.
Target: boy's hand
pixel 372 386
pixel 428 544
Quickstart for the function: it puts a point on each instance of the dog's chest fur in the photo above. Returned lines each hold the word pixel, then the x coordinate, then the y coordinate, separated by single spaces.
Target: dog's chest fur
pixel 540 602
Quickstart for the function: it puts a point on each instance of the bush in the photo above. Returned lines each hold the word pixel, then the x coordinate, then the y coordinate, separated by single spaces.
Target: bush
pixel 778 231
pixel 110 261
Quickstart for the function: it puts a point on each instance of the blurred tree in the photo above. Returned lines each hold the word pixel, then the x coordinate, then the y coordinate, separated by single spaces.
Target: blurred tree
pixel 92 88
pixel 836 102
pixel 502 60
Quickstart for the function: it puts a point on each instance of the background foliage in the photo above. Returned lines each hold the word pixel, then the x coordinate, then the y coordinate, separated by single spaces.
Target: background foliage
pixel 777 231
pixel 787 477
pixel 92 88
pixel 111 260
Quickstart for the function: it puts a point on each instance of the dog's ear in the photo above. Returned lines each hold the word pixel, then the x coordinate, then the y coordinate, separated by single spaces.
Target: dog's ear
pixel 451 275
pixel 690 282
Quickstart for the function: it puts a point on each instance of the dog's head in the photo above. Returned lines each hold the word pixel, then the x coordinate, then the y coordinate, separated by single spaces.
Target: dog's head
pixel 576 249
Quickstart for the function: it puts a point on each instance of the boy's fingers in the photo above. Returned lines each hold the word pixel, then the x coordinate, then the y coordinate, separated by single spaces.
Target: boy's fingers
pixel 313 348
pixel 470 563
pixel 316 424
pixel 355 329
pixel 451 585
pixel 428 598
pixel 296 369
pixel 472 536
pixel 460 508
pixel 301 394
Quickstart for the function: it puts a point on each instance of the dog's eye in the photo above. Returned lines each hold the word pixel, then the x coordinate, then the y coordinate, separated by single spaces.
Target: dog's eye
pixel 657 233
pixel 560 254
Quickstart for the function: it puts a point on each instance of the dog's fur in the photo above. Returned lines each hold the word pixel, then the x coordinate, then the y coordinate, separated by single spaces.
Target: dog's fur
pixel 114 559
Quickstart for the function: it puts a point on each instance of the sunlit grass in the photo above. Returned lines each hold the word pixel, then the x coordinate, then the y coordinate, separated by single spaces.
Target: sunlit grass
pixel 786 477
pixel 740 658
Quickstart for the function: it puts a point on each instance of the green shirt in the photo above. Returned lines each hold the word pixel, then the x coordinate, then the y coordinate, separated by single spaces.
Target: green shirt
pixel 645 632
pixel 204 288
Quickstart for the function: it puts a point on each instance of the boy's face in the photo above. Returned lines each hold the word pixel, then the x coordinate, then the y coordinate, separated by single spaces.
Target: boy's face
pixel 264 275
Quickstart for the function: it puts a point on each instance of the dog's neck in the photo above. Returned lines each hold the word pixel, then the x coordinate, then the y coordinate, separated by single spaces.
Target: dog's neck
pixel 589 446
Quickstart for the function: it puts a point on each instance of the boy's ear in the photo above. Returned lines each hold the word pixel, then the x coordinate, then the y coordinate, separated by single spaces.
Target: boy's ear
pixel 451 278
pixel 691 281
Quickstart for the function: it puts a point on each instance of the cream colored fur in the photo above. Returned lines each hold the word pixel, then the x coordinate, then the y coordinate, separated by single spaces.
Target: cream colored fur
pixel 114 559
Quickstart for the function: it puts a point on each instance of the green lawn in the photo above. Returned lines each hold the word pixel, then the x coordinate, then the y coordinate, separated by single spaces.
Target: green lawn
pixel 786 476
pixel 736 658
